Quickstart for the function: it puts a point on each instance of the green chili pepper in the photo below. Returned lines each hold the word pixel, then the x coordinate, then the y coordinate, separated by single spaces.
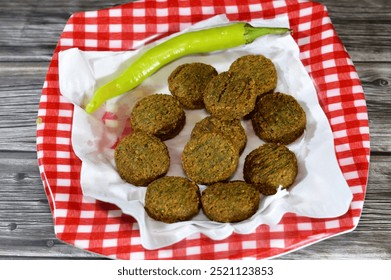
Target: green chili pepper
pixel 202 41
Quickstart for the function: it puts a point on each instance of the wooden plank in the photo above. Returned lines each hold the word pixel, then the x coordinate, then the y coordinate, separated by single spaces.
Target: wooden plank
pixel 358 39
pixel 352 245
pixel 359 11
pixel 376 81
pixel 30 29
pixel 21 86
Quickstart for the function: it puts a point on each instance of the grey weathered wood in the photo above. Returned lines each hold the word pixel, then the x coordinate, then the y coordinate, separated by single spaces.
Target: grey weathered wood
pixel 29 31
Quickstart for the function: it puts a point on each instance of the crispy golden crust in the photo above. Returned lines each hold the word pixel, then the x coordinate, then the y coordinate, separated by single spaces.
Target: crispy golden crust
pixel 209 158
pixel 270 166
pixel 172 199
pixel 229 96
pixel 141 158
pixel 230 202
pixel 188 82
pixel 158 114
pixel 233 130
pixel 278 118
pixel 259 68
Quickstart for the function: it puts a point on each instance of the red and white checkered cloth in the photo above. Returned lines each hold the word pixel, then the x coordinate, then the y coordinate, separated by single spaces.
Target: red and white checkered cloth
pixel 102 228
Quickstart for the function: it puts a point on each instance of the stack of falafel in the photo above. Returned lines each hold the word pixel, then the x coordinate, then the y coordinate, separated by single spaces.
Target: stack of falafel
pixel 211 156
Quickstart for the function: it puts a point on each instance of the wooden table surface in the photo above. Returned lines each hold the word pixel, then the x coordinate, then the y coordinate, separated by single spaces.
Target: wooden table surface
pixel 29 31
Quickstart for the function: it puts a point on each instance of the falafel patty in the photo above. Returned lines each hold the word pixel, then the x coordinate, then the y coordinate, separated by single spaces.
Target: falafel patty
pixel 230 202
pixel 269 167
pixel 172 199
pixel 141 158
pixel 209 158
pixel 259 68
pixel 229 96
pixel 233 130
pixel 188 82
pixel 278 118
pixel 158 114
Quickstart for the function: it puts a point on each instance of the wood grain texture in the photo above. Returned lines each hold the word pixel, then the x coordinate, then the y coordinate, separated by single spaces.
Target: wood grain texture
pixel 29 31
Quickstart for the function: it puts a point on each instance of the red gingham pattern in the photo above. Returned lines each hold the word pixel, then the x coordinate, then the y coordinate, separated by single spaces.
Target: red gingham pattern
pixel 102 228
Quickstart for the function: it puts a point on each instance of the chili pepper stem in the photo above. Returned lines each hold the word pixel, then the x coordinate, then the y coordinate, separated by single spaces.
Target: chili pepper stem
pixel 251 33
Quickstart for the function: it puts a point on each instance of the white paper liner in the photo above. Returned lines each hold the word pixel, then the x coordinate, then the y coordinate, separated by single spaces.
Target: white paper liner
pixel 320 190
